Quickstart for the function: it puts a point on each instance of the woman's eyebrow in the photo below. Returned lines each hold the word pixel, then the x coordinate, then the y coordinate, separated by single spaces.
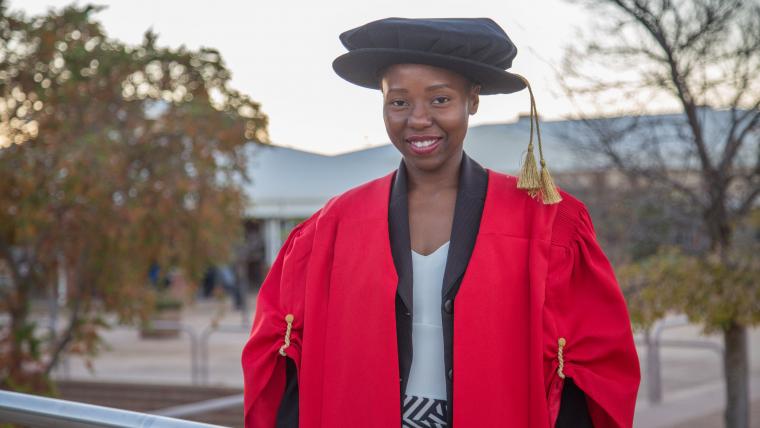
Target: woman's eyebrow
pixel 438 86
pixel 429 88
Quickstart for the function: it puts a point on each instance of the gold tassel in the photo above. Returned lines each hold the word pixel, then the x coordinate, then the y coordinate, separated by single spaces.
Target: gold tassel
pixel 561 357
pixel 549 191
pixel 289 320
pixel 530 179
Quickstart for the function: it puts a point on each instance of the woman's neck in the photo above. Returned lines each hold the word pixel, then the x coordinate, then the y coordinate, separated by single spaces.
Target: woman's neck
pixel 433 181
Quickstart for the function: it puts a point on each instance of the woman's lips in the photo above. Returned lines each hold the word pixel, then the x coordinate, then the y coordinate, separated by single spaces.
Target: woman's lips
pixel 424 144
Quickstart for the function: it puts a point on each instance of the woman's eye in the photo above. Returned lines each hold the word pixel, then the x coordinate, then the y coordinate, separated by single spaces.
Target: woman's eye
pixel 398 103
pixel 440 100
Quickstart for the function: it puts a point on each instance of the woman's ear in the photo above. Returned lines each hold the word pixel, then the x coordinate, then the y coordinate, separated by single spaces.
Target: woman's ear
pixel 474 98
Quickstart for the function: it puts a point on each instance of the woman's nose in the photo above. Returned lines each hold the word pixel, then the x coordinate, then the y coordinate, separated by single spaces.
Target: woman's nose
pixel 420 116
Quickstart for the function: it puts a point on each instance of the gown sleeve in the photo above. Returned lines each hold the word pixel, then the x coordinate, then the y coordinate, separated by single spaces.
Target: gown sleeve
pixel 277 329
pixel 589 341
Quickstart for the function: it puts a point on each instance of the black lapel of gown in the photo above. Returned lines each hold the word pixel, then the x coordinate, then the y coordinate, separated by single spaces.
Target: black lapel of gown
pixel 471 194
pixel 398 227
pixel 473 180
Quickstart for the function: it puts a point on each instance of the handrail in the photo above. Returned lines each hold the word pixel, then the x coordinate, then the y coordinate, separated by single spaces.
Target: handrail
pixel 212 405
pixel 35 411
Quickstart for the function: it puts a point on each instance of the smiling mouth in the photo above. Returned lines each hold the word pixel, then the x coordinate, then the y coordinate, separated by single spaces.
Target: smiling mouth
pixel 423 143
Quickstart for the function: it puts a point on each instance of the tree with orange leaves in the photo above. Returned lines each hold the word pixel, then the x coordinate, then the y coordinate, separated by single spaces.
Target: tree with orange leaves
pixel 112 157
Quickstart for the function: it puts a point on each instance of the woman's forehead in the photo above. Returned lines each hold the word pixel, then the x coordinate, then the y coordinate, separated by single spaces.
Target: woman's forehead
pixel 399 75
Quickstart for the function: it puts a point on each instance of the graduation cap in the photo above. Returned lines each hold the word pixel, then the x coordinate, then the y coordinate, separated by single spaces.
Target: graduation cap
pixel 477 48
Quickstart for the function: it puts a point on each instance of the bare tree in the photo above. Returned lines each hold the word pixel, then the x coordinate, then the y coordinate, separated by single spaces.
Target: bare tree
pixel 700 59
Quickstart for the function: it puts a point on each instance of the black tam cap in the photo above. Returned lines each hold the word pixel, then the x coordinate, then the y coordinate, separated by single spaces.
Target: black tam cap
pixel 477 48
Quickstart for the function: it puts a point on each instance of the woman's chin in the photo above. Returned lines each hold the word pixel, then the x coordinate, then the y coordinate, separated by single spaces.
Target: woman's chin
pixel 426 163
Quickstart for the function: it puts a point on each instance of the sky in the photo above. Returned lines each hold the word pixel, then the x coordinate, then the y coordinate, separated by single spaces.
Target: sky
pixel 280 53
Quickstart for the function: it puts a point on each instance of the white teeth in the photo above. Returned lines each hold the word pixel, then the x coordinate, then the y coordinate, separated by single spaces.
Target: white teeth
pixel 422 144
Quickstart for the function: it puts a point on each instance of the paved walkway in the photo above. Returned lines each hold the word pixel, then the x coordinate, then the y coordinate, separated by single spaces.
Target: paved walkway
pixel 130 358
pixel 693 389
pixel 693 394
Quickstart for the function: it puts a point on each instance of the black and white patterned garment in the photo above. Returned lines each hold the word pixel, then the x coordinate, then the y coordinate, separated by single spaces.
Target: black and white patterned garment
pixel 422 412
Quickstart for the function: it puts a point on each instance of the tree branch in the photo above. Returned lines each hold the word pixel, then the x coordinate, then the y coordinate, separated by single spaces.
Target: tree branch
pixel 735 143
pixel 65 339
pixel 748 203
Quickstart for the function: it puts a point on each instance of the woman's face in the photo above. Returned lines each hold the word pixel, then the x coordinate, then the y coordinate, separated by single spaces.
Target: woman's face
pixel 426 110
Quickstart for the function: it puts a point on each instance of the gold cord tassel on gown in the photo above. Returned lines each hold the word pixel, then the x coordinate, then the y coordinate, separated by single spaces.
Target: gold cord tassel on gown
pixel 530 179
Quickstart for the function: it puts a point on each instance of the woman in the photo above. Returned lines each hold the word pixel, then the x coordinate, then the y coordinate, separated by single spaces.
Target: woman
pixel 355 322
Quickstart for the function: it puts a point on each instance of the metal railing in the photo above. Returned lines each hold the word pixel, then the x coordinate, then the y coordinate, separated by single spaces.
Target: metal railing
pixel 206 406
pixel 195 369
pixel 42 412
pixel 203 345
pixel 199 345
pixel 653 342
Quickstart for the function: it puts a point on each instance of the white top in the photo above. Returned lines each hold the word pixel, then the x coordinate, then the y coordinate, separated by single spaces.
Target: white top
pixel 427 377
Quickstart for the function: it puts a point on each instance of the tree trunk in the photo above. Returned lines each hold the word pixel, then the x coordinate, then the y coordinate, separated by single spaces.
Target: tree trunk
pixel 736 369
pixel 19 313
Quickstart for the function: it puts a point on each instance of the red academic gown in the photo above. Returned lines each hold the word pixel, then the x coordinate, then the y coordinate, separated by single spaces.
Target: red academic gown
pixel 536 274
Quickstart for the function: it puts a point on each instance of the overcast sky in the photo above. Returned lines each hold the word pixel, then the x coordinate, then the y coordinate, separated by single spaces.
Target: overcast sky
pixel 280 53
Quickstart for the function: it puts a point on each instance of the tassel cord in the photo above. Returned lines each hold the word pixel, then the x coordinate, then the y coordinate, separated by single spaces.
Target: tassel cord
pixel 530 179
